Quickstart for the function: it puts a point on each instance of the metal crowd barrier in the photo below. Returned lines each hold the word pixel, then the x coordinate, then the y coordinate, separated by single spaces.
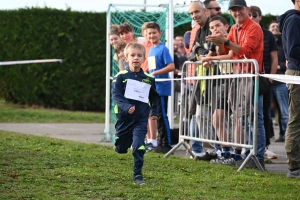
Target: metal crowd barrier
pixel 176 104
pixel 226 106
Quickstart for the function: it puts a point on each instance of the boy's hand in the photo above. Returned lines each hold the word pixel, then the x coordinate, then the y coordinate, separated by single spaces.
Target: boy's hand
pixel 154 117
pixel 121 55
pixel 206 61
pixel 206 64
pixel 131 109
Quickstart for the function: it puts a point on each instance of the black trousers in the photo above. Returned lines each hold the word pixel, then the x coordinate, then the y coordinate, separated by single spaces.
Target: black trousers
pixel 164 133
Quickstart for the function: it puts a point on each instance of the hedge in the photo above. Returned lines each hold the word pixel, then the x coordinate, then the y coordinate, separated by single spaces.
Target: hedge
pixel 79 38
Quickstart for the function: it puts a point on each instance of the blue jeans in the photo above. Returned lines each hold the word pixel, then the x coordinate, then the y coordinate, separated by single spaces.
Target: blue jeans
pixel 280 92
pixel 247 125
pixel 194 132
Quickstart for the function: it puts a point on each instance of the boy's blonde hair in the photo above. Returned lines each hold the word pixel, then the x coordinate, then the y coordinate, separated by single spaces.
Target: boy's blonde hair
pixel 135 45
pixel 144 26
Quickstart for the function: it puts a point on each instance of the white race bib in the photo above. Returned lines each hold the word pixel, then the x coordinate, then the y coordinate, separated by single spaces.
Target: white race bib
pixel 137 90
pixel 151 62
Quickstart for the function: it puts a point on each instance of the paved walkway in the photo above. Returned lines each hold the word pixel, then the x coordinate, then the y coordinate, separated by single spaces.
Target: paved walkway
pixel 93 133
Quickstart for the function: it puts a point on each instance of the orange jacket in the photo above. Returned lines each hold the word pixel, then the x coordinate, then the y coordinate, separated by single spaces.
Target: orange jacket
pixel 193 37
pixel 251 40
pixel 191 69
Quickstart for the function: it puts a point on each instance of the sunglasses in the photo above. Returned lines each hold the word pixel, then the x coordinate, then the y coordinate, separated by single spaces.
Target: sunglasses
pixel 216 8
pixel 254 15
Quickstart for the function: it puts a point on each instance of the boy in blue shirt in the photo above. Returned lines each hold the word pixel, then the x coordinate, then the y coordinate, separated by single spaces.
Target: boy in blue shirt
pixel 160 63
pixel 134 94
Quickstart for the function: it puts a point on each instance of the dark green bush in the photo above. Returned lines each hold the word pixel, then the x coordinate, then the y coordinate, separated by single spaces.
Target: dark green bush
pixel 79 38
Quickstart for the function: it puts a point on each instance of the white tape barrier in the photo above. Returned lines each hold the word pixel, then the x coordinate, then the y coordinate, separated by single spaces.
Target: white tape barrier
pixel 277 77
pixel 283 78
pixel 22 62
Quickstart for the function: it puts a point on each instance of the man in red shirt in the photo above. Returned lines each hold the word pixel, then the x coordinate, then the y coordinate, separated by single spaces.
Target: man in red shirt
pixel 245 39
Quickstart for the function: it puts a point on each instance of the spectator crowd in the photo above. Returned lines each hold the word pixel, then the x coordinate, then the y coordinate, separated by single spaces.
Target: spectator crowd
pixel 144 59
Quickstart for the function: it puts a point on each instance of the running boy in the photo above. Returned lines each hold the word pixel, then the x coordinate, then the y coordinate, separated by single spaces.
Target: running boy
pixel 160 63
pixel 133 92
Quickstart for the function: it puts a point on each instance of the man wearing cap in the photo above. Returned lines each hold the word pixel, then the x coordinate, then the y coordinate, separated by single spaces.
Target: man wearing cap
pixel 245 39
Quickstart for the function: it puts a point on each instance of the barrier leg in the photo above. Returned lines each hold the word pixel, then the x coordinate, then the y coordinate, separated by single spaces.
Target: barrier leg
pixel 251 156
pixel 176 147
pixel 257 163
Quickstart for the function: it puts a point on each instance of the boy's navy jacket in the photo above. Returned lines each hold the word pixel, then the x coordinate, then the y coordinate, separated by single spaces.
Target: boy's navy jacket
pixel 123 104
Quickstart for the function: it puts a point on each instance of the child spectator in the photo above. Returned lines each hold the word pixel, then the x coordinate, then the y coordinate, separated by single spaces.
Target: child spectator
pixel 151 142
pixel 131 91
pixel 114 40
pixel 119 49
pixel 160 63
pixel 126 33
pixel 218 24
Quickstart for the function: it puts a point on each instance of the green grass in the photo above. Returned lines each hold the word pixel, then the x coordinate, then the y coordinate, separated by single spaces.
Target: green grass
pixel 33 167
pixel 21 114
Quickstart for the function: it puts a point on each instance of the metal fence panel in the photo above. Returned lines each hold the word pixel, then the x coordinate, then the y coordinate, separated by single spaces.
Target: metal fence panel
pixel 224 99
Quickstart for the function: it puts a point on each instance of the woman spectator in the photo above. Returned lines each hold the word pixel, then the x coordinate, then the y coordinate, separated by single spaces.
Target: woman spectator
pixel 115 39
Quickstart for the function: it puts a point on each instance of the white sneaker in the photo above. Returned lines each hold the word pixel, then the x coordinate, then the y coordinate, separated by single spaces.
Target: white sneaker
pixel 198 154
pixel 270 154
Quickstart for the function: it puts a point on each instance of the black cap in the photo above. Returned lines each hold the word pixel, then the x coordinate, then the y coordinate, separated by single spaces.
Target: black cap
pixel 237 3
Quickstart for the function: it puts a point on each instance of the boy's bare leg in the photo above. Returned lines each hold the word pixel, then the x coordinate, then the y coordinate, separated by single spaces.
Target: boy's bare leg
pixel 218 123
pixel 151 133
pixel 152 129
pixel 222 133
pixel 239 134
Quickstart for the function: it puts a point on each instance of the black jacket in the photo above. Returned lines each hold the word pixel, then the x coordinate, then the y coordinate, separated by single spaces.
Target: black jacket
pixel 281 59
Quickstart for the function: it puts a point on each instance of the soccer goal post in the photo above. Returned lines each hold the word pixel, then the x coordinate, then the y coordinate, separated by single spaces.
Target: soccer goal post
pixel 164 16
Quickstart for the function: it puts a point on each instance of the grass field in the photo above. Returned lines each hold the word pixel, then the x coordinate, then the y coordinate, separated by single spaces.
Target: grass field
pixel 21 114
pixel 33 167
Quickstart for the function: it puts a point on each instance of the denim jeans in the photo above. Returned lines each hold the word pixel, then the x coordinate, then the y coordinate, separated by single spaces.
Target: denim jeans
pixel 194 132
pixel 280 92
pixel 247 125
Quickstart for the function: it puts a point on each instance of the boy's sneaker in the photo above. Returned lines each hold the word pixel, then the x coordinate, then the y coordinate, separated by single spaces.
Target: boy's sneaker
pixel 224 161
pixel 293 174
pixel 206 157
pixel 270 154
pixel 150 147
pixel 197 154
pixel 139 180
